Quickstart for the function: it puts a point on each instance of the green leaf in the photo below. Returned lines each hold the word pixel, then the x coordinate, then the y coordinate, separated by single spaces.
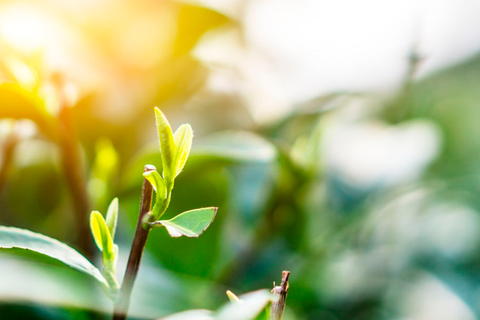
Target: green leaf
pixel 167 145
pixel 183 142
pixel 103 173
pixel 112 217
pixel 235 146
pixel 43 248
pixel 191 315
pixel 100 233
pixel 157 182
pixel 190 223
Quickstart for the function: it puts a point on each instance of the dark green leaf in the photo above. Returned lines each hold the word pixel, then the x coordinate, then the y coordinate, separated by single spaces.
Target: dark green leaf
pixel 37 246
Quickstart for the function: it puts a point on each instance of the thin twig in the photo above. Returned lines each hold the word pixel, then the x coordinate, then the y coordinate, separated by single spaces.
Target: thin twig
pixel 136 252
pixel 279 298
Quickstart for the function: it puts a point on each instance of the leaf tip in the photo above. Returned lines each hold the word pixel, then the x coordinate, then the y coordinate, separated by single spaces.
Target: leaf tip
pixel 233 297
pixel 114 202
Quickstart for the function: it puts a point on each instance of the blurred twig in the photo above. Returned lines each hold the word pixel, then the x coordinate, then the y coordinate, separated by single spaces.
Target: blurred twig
pixel 279 298
pixel 73 169
pixel 402 106
pixel 8 150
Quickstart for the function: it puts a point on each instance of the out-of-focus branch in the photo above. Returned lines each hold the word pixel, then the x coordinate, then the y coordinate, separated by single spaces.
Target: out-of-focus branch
pixel 74 170
pixel 7 152
pixel 279 298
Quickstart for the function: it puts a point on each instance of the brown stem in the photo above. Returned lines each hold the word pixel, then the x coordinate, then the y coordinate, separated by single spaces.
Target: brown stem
pixel 279 298
pixel 136 252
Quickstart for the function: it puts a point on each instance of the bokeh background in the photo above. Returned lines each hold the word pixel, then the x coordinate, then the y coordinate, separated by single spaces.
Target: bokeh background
pixel 340 140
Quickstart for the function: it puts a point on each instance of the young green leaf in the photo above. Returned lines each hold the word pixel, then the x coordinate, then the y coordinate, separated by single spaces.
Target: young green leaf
pixel 157 182
pixel 183 141
pixel 167 145
pixel 48 250
pixel 112 217
pixel 190 223
pixel 100 233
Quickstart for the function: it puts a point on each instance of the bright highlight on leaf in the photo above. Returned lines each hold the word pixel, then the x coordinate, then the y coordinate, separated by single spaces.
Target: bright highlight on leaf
pixel 48 250
pixel 100 232
pixel 112 217
pixel 167 145
pixel 183 141
pixel 190 223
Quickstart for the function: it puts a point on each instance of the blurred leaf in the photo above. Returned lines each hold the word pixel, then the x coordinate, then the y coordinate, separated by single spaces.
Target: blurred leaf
pixel 183 141
pixel 42 248
pixel 191 315
pixel 190 223
pixel 100 232
pixel 193 22
pixel 167 146
pixel 232 297
pixel 253 304
pixel 19 103
pixel 26 279
pixel 103 171
pixel 238 146
pixel 112 217
pixel 44 190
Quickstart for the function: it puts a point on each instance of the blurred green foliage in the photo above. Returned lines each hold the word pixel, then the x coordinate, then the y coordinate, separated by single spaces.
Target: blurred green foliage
pixel 395 246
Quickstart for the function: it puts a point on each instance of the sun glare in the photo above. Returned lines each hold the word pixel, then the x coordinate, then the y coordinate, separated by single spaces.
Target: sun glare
pixel 24 29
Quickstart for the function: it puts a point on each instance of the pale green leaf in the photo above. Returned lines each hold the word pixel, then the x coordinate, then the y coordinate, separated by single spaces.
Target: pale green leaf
pixel 190 223
pixel 157 182
pixel 47 250
pixel 104 170
pixel 236 146
pixel 100 233
pixel 183 141
pixel 112 217
pixel 167 145
pixel 191 315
